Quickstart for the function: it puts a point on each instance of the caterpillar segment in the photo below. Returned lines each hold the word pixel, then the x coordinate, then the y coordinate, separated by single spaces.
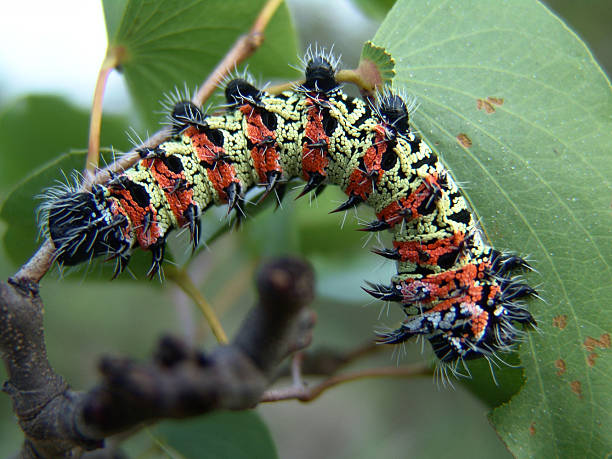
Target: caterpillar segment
pixel 453 287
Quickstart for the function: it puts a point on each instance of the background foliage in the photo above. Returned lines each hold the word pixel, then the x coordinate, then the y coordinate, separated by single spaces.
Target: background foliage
pixel 538 172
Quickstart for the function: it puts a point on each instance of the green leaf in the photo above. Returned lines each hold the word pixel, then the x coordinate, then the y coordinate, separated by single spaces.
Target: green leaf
pixel 113 15
pixel 376 8
pixel 168 44
pixel 231 435
pixel 517 107
pixel 36 128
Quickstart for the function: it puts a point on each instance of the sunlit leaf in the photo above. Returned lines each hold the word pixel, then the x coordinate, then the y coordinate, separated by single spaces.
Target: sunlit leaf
pixel 517 107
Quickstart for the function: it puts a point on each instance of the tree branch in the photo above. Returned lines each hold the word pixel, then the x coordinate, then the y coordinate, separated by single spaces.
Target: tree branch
pixel 179 381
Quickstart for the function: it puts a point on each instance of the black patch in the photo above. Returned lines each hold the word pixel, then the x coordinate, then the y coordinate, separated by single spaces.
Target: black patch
pixel 362 119
pixel 215 136
pixel 415 144
pixel 185 114
pixel 422 270
pixel 448 260
pixel 389 159
pixel 350 104
pixel 428 205
pixel 241 92
pixel 138 193
pixel 320 75
pixel 430 160
pixel 394 112
pixel 269 120
pixel 463 216
pixel 329 124
pixel 174 163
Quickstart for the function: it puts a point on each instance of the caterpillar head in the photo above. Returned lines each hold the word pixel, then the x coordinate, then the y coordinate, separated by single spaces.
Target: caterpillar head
pixel 85 225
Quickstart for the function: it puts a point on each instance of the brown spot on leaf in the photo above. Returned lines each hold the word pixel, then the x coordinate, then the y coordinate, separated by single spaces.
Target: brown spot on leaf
pixel 464 140
pixel 488 108
pixel 603 342
pixel 591 359
pixel 561 367
pixel 576 388
pixel 560 321
pixel 487 104
pixel 532 429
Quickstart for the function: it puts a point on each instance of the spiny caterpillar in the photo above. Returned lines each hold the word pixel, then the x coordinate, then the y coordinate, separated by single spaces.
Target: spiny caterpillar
pixel 454 289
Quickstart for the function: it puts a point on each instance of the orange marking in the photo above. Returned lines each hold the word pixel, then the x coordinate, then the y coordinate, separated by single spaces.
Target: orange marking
pixel 220 173
pixel 221 176
pixel 265 157
pixel 407 208
pixel 207 151
pixel 428 253
pixel 479 323
pixel 314 160
pixel 361 182
pixel 180 199
pixel 443 286
pixel 137 215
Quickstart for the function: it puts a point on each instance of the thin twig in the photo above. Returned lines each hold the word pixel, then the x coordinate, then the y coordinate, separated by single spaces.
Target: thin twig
pixel 183 280
pixel 296 369
pixel 308 394
pixel 111 60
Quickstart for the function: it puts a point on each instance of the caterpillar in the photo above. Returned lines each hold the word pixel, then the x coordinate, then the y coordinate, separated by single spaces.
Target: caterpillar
pixel 453 288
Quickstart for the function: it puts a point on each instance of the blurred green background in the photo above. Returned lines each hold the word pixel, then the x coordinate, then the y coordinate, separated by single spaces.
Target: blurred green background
pixel 375 418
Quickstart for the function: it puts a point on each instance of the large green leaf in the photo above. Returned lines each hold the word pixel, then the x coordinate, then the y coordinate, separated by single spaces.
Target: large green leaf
pixel 517 107
pixel 220 435
pixel 172 43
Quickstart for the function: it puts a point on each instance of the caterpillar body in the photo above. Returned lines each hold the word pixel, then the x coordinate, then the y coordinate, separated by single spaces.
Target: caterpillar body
pixel 454 288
